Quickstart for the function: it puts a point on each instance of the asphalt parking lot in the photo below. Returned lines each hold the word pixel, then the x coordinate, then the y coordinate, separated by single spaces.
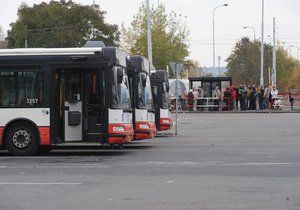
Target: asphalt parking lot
pixel 218 161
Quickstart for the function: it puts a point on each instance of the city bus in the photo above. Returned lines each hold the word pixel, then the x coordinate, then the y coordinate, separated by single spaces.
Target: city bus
pixel 141 95
pixel 160 89
pixel 63 95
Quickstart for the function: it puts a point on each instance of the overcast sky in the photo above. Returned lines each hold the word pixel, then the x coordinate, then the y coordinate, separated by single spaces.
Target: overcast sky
pixel 229 21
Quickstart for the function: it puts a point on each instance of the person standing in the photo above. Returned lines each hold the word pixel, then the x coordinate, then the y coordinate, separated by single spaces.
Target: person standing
pixel 196 96
pixel 244 97
pixel 201 96
pixel 227 98
pixel 274 95
pixel 218 95
pixel 234 98
pixel 252 98
pixel 266 98
pixel 258 94
pixel 183 100
pixel 190 100
pixel 292 101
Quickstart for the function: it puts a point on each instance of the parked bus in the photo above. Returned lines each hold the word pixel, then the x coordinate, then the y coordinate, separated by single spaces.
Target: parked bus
pixel 142 100
pixel 160 89
pixel 63 95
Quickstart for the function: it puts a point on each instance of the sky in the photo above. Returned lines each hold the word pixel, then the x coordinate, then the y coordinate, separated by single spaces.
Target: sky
pixel 229 21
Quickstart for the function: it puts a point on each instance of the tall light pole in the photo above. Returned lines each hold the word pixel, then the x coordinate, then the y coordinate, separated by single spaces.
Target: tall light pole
pixel 214 47
pixel 291 50
pixel 246 27
pixel 93 29
pixel 274 68
pixel 149 38
pixel 262 46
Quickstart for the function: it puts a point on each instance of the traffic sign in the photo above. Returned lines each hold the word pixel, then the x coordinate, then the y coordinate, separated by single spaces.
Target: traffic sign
pixel 176 67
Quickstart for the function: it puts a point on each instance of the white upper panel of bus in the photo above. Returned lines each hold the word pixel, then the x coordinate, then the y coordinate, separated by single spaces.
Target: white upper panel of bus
pixel 50 51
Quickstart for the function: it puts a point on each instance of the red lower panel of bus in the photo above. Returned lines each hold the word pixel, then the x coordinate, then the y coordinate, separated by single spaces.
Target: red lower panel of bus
pixel 165 124
pixel 144 130
pixel 1 133
pixel 45 135
pixel 120 133
pixel 43 131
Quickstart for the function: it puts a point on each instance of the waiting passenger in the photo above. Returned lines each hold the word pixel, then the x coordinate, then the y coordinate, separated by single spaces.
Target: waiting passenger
pixel 218 95
pixel 196 96
pixel 191 100
pixel 292 101
pixel 201 95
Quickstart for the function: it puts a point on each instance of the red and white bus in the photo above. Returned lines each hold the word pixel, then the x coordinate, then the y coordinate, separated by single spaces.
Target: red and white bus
pixel 63 95
pixel 142 100
pixel 160 89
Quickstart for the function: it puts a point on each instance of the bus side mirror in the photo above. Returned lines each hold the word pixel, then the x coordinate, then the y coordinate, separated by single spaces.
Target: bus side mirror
pixel 120 75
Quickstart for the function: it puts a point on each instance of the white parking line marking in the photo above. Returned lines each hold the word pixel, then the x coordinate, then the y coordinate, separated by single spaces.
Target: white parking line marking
pixel 256 164
pixel 40 183
pixel 55 166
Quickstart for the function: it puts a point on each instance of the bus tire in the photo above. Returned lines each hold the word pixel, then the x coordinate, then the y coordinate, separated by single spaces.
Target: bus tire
pixel 22 139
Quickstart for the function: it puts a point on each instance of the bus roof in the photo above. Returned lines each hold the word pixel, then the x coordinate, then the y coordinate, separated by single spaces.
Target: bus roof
pixel 50 51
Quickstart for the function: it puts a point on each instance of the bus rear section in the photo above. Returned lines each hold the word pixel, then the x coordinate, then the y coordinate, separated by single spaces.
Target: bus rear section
pixel 160 89
pixel 142 100
pixel 58 96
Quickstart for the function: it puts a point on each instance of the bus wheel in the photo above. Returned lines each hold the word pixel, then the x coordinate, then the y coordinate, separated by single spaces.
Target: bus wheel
pixel 22 139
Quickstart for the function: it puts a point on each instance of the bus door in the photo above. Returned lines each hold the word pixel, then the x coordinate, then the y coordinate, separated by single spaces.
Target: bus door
pixel 68 105
pixel 73 104
pixel 79 113
pixel 93 105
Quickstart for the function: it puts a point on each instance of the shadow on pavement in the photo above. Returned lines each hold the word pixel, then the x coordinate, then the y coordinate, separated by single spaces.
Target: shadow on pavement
pixel 88 150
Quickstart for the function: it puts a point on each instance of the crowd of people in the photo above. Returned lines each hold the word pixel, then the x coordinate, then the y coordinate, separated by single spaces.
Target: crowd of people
pixel 238 98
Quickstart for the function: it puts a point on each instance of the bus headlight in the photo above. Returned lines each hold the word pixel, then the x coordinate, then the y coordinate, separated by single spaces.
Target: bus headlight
pixel 144 126
pixel 118 129
pixel 166 121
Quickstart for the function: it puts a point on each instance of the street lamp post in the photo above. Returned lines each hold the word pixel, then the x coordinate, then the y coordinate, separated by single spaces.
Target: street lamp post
pixel 149 37
pixel 214 47
pixel 245 27
pixel 93 29
pixel 290 50
pixel 262 47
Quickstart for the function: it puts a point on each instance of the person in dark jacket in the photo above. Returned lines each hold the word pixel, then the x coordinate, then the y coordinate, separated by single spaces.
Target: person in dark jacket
pixel 227 99
pixel 292 101
pixel 252 99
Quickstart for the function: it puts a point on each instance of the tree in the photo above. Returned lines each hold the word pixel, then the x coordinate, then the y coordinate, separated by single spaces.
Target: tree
pixel 294 81
pixel 169 36
pixel 244 63
pixel 60 24
pixel 192 68
pixel 285 67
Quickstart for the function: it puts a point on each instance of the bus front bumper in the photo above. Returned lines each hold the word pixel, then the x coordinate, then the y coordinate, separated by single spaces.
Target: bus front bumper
pixel 120 133
pixel 144 130
pixel 165 124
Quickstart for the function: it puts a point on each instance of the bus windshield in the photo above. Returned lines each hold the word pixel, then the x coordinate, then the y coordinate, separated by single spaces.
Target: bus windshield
pixel 145 100
pixel 120 89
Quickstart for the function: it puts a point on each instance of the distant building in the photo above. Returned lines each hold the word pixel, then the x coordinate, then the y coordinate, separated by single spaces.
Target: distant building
pixel 214 71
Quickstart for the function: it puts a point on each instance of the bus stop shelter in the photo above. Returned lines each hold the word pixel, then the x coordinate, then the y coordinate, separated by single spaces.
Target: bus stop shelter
pixel 208 84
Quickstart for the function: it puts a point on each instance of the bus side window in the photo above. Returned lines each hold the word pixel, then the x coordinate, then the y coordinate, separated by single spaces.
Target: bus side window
pixel 7 89
pixel 20 89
